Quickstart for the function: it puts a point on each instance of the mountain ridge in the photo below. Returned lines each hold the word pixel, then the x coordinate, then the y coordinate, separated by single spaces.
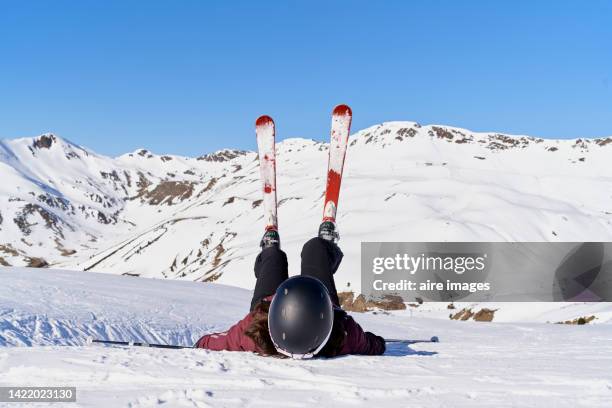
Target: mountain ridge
pixel 196 218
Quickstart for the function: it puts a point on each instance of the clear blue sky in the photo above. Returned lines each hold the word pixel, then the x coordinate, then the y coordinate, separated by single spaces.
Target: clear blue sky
pixel 189 77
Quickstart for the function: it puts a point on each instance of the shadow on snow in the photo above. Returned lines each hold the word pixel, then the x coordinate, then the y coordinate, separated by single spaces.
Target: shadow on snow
pixel 403 349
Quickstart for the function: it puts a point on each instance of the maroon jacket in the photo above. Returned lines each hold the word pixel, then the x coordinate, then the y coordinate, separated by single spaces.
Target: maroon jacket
pixel 356 340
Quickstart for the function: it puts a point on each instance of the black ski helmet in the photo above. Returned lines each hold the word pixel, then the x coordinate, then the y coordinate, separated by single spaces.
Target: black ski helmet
pixel 301 317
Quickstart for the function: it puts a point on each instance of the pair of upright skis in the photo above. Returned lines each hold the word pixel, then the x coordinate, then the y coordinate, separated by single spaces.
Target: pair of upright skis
pixel 340 129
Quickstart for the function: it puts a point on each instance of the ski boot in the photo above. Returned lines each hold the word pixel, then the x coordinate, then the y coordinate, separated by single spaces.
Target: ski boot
pixel 328 231
pixel 270 238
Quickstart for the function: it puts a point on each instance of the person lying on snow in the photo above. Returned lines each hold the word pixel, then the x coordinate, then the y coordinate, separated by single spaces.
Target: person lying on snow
pixel 297 317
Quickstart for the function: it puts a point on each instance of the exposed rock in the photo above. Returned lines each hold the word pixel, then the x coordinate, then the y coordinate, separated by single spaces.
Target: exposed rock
pixel 216 263
pixel 167 191
pixel 360 304
pixel 112 175
pixel 128 178
pixel 223 155
pixel 67 252
pixel 72 155
pixel 441 133
pixel 104 219
pixel 507 140
pixel 463 314
pixel 56 202
pixel 63 251
pixel 52 221
pixel 579 320
pixel 582 144
pixel 143 183
pixel 388 302
pixel 44 142
pixel 209 186
pixel 483 315
pixel 8 249
pixel 405 132
pixel 346 299
pixel 496 146
pixel 37 263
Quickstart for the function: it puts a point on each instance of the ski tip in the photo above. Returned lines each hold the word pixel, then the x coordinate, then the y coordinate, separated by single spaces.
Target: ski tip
pixel 343 110
pixel 435 339
pixel 264 120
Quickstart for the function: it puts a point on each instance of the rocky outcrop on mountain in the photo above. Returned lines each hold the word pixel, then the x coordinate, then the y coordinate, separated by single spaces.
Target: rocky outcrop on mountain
pixel 223 155
pixel 169 192
pixel 43 142
pixel 483 315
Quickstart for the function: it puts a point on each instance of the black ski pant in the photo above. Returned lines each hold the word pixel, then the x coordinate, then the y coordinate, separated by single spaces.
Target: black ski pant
pixel 320 259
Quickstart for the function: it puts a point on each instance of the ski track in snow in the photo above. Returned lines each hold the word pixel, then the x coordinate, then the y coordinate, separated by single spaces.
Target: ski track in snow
pixel 513 363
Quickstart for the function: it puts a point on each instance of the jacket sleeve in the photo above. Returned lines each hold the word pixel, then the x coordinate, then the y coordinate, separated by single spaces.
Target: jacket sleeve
pixel 232 339
pixel 360 342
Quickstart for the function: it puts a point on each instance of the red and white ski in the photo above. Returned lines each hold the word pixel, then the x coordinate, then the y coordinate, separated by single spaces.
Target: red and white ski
pixel 340 129
pixel 264 128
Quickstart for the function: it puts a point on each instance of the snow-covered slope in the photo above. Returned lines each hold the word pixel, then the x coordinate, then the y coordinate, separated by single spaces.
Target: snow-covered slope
pixel 475 364
pixel 59 201
pixel 200 219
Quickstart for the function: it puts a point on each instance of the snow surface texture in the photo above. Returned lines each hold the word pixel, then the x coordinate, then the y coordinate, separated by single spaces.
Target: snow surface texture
pixel 526 364
pixel 202 218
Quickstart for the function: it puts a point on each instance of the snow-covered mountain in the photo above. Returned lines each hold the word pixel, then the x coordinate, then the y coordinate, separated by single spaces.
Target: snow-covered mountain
pixel 200 218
